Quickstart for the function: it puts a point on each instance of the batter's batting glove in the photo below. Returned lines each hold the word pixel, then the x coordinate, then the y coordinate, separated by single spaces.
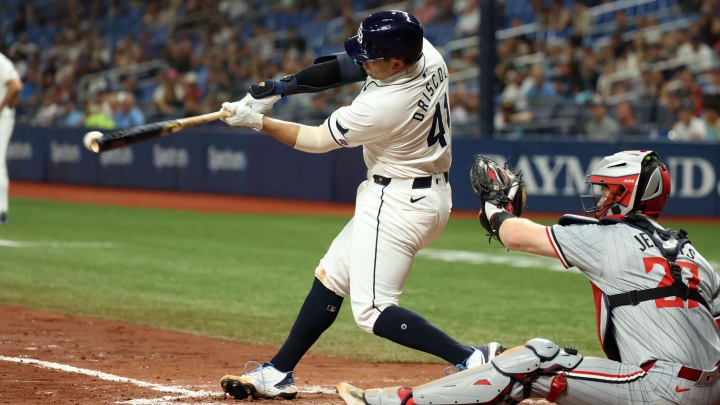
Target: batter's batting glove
pixel 284 87
pixel 258 105
pixel 501 191
pixel 242 116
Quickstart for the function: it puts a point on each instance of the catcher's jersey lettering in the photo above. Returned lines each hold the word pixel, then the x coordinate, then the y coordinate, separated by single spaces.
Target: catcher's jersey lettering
pixel 644 241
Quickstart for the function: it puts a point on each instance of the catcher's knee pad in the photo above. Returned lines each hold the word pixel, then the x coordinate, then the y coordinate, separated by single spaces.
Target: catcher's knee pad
pixel 493 382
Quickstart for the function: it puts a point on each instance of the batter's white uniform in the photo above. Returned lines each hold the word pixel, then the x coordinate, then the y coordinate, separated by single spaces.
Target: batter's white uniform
pixel 656 338
pixel 7 121
pixel 403 124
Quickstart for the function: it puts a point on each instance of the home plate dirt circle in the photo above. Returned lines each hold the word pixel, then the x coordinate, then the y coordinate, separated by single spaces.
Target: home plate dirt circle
pixel 60 359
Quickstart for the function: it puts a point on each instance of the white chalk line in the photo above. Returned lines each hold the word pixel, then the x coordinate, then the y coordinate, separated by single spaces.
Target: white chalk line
pixel 512 259
pixel 182 393
pixel 52 244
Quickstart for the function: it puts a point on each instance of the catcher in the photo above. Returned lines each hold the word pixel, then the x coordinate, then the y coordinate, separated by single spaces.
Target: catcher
pixel 657 300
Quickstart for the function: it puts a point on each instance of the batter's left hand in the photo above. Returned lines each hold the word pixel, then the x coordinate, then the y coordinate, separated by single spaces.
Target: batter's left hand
pixel 242 116
pixel 258 105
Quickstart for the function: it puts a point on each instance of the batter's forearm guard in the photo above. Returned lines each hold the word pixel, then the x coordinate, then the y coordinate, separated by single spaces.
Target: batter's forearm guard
pixel 327 72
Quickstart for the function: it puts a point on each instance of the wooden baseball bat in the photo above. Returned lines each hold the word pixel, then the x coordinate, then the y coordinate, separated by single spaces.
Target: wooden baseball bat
pixel 98 142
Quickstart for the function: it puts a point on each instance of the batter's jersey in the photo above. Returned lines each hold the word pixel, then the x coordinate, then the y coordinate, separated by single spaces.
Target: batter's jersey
pixel 7 73
pixel 619 258
pixel 403 122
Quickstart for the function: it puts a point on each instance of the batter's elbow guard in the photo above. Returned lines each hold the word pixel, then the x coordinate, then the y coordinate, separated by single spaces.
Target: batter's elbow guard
pixel 350 72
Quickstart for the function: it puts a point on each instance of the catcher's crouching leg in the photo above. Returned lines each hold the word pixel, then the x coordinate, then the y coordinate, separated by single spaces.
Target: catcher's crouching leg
pixel 508 377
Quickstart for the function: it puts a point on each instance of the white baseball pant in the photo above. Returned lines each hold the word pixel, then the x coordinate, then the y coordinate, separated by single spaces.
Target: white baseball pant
pixel 371 257
pixel 6 127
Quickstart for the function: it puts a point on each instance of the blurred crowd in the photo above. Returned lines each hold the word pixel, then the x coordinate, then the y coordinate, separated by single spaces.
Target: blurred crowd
pixel 649 70
pixel 118 63
pixel 654 73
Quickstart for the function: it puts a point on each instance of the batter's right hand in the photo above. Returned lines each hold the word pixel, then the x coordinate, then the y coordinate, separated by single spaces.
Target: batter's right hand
pixel 242 116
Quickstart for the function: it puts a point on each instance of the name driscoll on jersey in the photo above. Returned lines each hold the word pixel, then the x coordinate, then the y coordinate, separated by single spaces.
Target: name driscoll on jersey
pixel 437 78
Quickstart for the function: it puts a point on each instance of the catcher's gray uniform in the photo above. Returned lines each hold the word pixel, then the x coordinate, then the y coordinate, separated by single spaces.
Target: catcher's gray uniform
pixel 670 348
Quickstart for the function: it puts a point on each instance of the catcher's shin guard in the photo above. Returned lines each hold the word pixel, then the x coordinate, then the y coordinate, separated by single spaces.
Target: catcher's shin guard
pixel 497 380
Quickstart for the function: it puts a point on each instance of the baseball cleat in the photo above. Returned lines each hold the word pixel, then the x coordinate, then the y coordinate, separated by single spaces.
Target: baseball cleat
pixel 264 382
pixel 483 354
pixel 350 394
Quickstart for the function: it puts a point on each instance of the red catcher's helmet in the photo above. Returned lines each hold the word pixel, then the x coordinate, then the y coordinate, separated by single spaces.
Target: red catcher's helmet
pixel 638 180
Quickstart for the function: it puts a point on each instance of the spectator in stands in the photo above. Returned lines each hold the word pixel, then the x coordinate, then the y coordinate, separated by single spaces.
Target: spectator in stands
pixel 70 116
pixel 437 12
pixel 567 80
pixel 627 120
pixel 507 117
pixel 96 117
pixel 536 87
pixel 191 94
pixel 621 22
pixel 699 56
pixel 668 111
pixel 293 43
pixel 48 112
pixel 168 97
pixel 468 12
pixel 558 16
pixel 581 18
pixel 127 114
pixel 513 92
pixel 712 86
pixel 712 121
pixel 178 54
pixel 688 127
pixel 601 127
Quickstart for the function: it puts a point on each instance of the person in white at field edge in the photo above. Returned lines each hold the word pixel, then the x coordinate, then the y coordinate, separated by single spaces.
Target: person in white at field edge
pixel 10 86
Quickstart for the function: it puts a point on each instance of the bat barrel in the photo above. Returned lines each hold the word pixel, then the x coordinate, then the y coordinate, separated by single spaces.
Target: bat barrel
pixel 125 137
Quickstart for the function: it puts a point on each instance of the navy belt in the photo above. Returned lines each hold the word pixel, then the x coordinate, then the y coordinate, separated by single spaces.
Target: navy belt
pixel 418 182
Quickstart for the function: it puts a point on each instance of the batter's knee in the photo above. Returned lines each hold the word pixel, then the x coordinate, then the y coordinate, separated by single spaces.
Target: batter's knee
pixel 330 281
pixel 366 314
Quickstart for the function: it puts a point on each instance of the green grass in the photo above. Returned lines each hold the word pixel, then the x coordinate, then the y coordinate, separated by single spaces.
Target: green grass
pixel 244 277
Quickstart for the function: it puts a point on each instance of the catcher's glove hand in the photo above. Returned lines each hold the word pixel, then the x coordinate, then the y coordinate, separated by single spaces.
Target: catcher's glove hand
pixel 501 190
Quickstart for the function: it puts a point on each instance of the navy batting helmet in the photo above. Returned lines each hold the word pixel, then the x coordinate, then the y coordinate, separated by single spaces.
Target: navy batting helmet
pixel 387 34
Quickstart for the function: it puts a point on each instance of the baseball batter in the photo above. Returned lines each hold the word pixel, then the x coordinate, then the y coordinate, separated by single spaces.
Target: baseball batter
pixel 402 120
pixel 657 302
pixel 10 86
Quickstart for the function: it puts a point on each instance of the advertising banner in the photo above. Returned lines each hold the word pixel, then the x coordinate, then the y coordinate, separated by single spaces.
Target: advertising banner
pixel 249 163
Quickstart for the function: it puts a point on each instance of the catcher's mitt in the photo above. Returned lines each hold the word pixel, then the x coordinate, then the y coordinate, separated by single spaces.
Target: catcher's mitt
pixel 498 185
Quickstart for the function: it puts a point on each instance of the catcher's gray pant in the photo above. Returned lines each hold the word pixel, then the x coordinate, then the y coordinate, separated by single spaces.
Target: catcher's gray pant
pixel 603 381
pixel 6 126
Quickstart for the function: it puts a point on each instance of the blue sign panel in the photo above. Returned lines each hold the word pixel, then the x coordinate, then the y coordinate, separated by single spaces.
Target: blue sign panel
pixel 249 163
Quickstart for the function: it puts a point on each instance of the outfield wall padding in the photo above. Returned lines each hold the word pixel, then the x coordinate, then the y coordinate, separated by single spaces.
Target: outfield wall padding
pixel 247 163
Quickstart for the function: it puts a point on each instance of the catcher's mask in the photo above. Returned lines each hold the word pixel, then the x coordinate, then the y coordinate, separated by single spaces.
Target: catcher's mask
pixel 628 181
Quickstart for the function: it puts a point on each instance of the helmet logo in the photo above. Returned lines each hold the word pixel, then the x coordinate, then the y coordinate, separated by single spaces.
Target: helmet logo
pixel 629 180
pixel 360 34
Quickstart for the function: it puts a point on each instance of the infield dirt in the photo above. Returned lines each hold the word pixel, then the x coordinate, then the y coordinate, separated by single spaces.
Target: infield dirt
pixel 155 356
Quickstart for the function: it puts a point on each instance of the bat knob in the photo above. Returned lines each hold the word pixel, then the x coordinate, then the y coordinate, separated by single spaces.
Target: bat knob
pixel 90 140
